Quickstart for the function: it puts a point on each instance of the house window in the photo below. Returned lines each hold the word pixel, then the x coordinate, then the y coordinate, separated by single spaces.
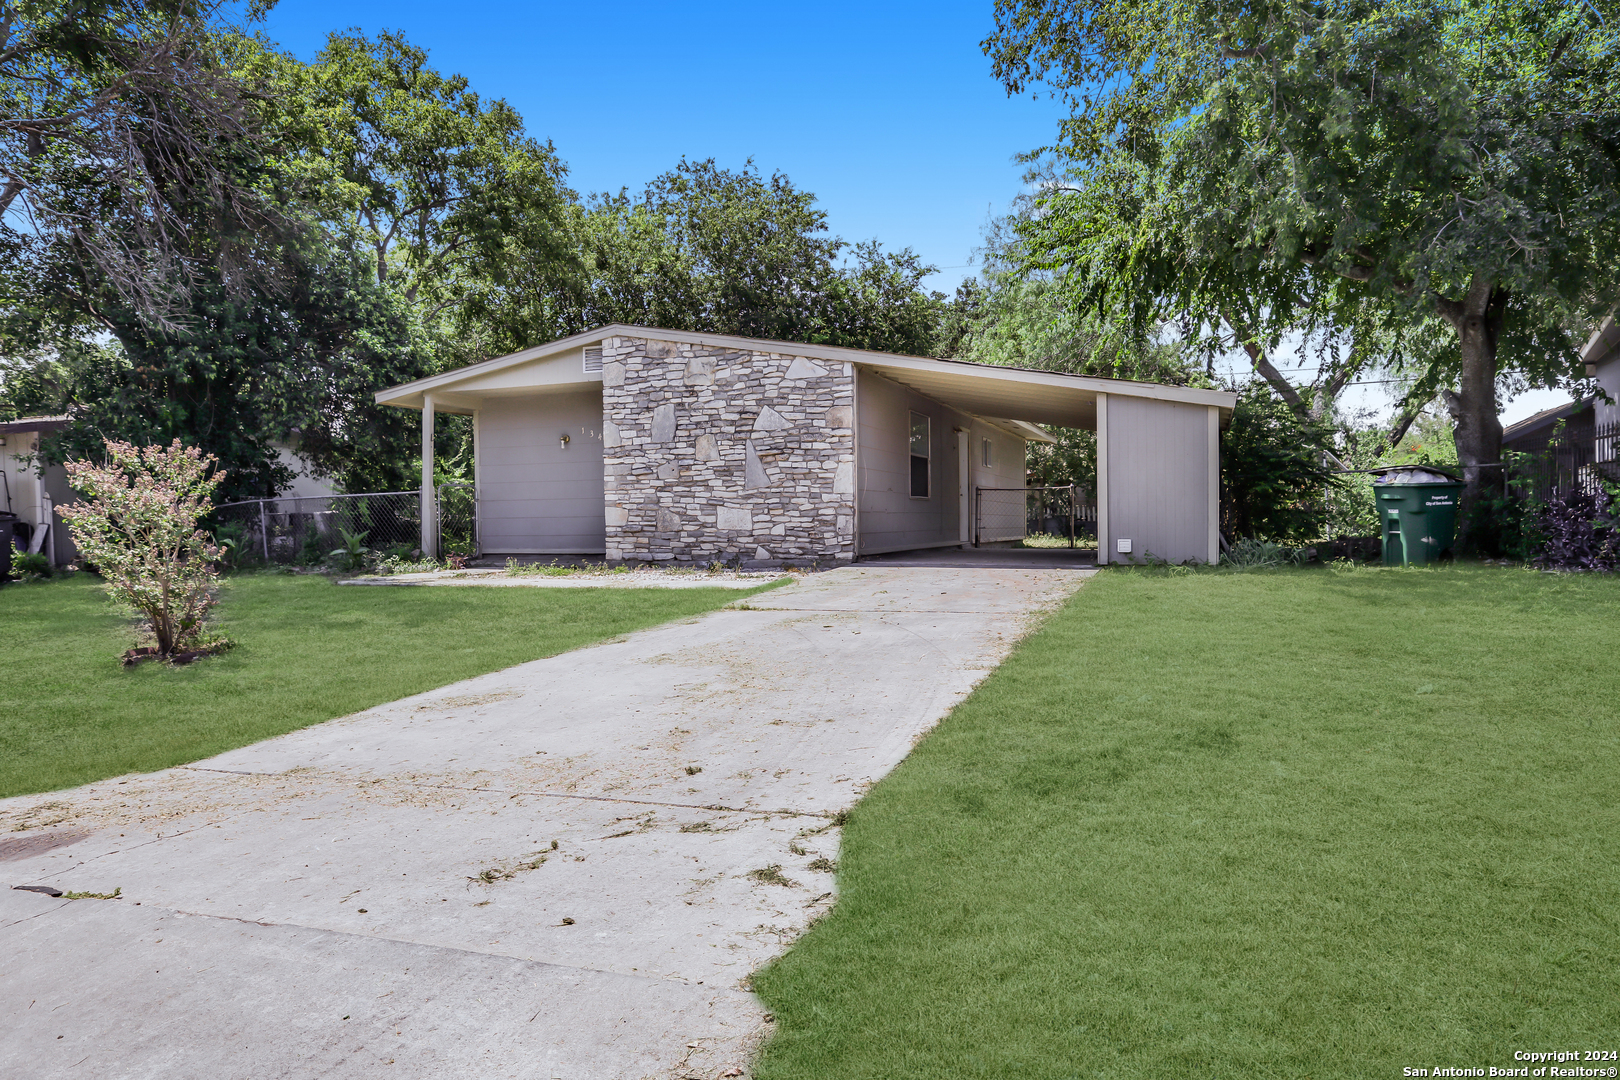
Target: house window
pixel 919 455
pixel 987 451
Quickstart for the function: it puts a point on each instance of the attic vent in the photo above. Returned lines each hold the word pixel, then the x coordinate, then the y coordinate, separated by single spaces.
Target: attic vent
pixel 593 359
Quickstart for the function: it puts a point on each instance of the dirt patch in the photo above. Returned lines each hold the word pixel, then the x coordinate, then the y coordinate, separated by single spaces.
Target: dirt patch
pixel 23 847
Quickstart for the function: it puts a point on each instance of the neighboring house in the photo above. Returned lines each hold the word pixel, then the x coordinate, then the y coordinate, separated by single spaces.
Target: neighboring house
pixel 32 490
pixel 1575 443
pixel 304 485
pixel 655 445
pixel 1602 359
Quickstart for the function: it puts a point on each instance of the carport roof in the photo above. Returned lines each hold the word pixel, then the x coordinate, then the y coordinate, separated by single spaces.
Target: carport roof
pixel 1011 393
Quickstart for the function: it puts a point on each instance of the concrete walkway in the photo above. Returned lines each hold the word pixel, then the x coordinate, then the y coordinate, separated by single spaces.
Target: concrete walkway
pixel 565 869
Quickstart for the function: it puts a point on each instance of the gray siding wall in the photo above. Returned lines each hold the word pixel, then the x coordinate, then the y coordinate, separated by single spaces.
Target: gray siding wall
pixel 1608 377
pixel 536 496
pixel 1002 514
pixel 1158 484
pixel 715 453
pixel 890 519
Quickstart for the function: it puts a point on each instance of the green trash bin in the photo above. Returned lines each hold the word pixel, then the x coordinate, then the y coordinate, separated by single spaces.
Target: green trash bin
pixel 1417 513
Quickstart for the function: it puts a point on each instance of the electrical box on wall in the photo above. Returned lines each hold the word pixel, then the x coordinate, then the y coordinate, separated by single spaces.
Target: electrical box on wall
pixel 1123 545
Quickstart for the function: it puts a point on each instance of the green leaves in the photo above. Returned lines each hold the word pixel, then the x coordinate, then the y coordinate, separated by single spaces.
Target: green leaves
pixel 137 525
pixel 1273 478
pixel 1371 166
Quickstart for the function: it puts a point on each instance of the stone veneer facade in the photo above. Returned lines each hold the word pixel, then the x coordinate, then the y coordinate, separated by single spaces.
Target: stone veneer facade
pixel 722 454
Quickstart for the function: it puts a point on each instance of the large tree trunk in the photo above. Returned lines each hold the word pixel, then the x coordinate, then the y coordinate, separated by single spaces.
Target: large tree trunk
pixel 1477 318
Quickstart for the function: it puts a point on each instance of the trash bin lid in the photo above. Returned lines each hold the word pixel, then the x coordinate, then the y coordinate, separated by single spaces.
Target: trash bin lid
pixel 1414 474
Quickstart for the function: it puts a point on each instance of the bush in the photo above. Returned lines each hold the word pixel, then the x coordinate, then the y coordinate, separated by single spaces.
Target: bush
pixel 139 526
pixel 231 540
pixel 1251 554
pixel 1579 530
pixel 30 565
pixel 1274 475
pixel 314 549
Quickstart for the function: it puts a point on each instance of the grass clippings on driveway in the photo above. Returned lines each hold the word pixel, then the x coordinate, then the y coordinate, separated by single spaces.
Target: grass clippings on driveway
pixel 307 651
pixel 1284 824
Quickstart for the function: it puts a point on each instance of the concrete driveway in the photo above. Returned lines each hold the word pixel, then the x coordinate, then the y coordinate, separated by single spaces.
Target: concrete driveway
pixel 565 869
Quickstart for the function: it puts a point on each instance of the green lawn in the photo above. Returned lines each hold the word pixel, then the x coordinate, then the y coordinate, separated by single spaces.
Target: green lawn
pixel 308 651
pixel 1281 824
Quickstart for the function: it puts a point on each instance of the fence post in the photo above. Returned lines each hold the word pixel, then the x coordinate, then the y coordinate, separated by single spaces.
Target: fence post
pixel 264 532
pixel 1071 515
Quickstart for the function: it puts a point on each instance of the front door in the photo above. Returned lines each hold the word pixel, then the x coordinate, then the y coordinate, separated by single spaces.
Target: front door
pixel 964 480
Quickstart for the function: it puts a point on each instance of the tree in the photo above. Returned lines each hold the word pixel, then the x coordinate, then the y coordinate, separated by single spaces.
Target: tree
pixel 735 252
pixel 138 526
pixel 448 195
pixel 1449 158
pixel 119 122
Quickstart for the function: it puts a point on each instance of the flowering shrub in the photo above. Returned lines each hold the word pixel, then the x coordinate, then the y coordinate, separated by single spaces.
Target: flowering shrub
pixel 1580 530
pixel 138 525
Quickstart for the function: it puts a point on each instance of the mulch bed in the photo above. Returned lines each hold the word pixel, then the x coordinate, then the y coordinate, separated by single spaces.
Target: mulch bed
pixel 150 652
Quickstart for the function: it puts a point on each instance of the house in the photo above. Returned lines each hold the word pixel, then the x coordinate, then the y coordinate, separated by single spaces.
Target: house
pixel 641 444
pixel 1574 444
pixel 30 490
pixel 1602 359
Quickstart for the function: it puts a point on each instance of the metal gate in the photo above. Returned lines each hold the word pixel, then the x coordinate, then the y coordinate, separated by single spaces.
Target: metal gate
pixel 456 513
pixel 1062 513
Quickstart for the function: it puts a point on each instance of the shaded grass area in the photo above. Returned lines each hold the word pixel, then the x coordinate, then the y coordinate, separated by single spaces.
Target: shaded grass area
pixel 307 651
pixel 1277 824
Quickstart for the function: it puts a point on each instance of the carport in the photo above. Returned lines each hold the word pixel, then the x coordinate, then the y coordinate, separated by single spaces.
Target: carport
pixel 1158 446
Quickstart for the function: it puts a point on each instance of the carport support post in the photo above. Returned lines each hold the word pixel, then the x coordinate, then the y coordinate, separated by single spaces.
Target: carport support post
pixel 430 524
pixel 1102 480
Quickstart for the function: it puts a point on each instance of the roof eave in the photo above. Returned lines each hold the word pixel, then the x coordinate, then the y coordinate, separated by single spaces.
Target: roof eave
pixel 407 395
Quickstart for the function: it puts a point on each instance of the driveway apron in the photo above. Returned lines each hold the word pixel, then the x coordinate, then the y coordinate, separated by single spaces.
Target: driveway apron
pixel 564 869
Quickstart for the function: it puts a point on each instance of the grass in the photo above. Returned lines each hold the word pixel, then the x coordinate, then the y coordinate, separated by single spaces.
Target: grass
pixel 1047 540
pixel 1291 823
pixel 307 651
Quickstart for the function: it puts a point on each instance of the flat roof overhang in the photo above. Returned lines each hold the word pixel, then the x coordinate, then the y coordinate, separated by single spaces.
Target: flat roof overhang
pixel 1602 346
pixel 986 390
pixel 1047 398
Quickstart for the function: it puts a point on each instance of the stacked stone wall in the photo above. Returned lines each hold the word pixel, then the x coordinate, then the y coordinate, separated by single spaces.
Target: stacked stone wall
pixel 723 454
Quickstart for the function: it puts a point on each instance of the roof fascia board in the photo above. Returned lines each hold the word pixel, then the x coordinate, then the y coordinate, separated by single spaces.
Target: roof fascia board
pixel 42 424
pixel 1604 340
pixel 499 363
pixel 1222 399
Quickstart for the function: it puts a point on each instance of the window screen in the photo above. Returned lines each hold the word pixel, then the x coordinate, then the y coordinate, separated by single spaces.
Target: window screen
pixel 988 451
pixel 919 456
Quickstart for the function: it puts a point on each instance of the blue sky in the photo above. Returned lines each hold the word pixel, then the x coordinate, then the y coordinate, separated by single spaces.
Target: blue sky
pixel 887 112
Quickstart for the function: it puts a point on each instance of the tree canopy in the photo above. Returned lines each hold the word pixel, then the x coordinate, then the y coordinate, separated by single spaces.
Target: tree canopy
pixel 122 147
pixel 350 223
pixel 1340 163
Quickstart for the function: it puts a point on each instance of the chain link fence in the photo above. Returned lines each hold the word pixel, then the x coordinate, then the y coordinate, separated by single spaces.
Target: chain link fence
pixel 1066 514
pixel 306 531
